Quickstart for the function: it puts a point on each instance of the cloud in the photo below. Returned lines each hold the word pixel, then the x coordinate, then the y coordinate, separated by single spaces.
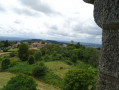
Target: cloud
pixel 88 27
pixel 38 6
pixel 1 8
pixel 25 12
pixel 17 22
pixel 54 27
pixel 49 19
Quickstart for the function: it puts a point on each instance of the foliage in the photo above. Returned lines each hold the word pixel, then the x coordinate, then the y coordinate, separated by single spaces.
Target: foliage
pixel 5 50
pixel 93 56
pixel 1 44
pixel 31 60
pixel 32 51
pixel 5 63
pixel 52 78
pixel 39 71
pixel 23 52
pixel 38 55
pixel 42 42
pixel 74 58
pixel 21 67
pixel 79 79
pixel 12 64
pixel 21 82
pixel 6 43
pixel 12 54
pixel 70 54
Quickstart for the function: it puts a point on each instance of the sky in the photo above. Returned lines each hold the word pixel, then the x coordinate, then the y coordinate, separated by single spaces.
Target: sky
pixel 62 20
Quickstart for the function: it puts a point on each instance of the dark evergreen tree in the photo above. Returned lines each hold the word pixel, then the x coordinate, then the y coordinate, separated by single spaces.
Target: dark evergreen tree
pixel 6 43
pixel 23 52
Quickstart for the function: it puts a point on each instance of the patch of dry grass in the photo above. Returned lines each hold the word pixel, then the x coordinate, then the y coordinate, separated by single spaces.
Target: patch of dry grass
pixel 4 78
pixel 44 86
pixel 58 67
pixel 14 59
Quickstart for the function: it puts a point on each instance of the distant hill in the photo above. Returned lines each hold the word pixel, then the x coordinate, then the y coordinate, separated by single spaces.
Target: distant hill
pixel 33 40
pixel 2 38
pixel 87 44
pixel 48 41
pixel 91 44
pixel 38 40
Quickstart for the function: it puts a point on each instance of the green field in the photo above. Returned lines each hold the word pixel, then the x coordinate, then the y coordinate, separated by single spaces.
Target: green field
pixel 13 50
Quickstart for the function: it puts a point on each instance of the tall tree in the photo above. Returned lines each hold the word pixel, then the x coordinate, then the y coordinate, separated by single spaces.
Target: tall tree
pixel 23 52
pixel 6 43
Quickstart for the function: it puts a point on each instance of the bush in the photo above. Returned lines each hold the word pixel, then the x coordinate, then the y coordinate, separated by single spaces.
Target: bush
pixel 21 82
pixel 79 79
pixel 39 70
pixel 38 55
pixel 21 67
pixel 12 64
pixel 31 60
pixel 5 63
pixel 52 78
pixel 12 54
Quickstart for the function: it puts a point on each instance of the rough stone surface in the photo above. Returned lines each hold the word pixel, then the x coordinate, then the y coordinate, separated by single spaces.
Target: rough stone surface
pixel 98 12
pixel 109 62
pixel 107 83
pixel 106 14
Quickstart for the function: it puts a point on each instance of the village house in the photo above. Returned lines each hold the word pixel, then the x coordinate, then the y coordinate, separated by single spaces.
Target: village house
pixel 9 47
pixel 64 45
pixel 15 45
pixel 38 45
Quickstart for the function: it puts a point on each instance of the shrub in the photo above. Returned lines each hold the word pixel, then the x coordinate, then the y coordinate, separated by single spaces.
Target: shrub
pixel 12 54
pixel 5 63
pixel 12 64
pixel 21 82
pixel 38 55
pixel 39 70
pixel 31 60
pixel 23 52
pixel 21 67
pixel 52 78
pixel 79 79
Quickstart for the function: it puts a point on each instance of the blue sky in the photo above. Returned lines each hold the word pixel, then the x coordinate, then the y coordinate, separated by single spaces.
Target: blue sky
pixel 49 19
